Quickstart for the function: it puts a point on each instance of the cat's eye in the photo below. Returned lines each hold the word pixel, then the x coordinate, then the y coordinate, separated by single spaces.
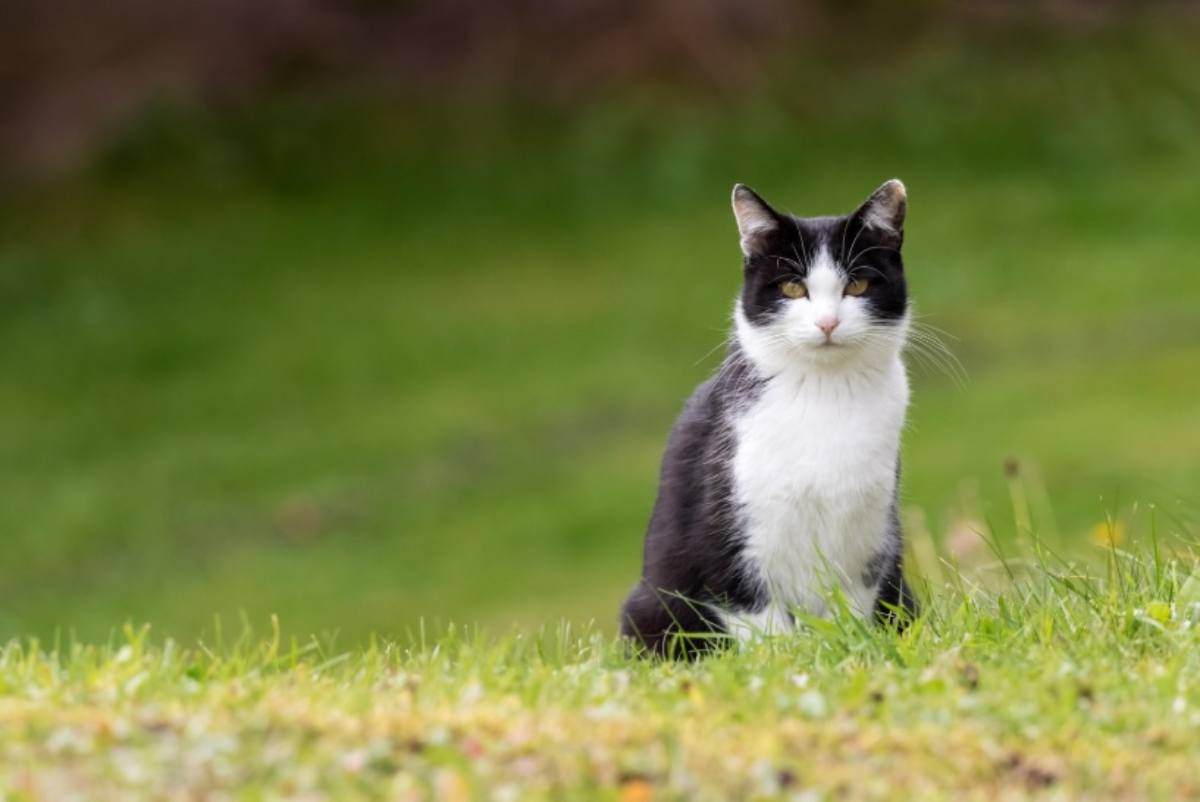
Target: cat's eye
pixel 793 289
pixel 856 286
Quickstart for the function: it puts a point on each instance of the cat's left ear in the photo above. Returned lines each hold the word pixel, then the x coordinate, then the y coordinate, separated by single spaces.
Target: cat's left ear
pixel 756 220
pixel 884 210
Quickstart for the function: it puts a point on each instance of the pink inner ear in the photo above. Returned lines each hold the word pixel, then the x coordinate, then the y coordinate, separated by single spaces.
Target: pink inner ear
pixel 885 210
pixel 752 217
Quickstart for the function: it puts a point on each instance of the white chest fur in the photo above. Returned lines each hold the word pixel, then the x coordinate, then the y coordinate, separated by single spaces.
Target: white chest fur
pixel 814 475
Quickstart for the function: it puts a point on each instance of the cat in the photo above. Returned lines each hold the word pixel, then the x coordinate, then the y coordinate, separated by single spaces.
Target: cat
pixel 780 477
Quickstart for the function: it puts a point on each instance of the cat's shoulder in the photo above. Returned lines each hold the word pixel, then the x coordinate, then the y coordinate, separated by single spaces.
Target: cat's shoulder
pixel 709 412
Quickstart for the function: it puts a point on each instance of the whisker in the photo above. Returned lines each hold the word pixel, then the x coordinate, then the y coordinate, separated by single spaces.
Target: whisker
pixel 728 340
pixel 934 329
pixel 855 257
pixel 926 348
pixel 845 226
pixel 929 347
pixel 853 242
pixel 800 234
pixel 862 268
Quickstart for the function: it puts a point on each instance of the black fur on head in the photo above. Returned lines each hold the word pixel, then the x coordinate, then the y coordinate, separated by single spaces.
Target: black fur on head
pixel 866 243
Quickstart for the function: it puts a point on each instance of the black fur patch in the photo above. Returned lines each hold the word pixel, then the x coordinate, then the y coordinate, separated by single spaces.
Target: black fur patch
pixel 791 247
pixel 695 536
pixel 873 571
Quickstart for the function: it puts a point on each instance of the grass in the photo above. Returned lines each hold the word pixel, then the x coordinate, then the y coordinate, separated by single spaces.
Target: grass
pixel 1055 685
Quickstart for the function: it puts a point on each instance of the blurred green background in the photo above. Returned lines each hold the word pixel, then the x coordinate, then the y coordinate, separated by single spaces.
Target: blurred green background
pixel 361 314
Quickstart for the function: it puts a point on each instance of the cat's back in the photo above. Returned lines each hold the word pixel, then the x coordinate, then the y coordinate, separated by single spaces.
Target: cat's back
pixel 694 513
pixel 701 439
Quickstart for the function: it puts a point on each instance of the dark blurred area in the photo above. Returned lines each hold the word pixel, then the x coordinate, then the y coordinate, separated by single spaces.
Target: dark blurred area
pixel 72 71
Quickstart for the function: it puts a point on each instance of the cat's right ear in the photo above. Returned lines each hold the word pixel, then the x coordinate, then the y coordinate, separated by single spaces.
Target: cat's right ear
pixel 755 219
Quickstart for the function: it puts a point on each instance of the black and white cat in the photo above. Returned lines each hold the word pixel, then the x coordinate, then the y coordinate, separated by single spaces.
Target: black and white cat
pixel 780 476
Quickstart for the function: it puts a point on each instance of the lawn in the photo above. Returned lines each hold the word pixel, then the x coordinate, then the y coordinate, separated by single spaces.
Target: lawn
pixel 1062 686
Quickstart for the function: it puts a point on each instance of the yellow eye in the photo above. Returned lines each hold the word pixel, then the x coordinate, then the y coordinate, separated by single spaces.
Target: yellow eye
pixel 793 289
pixel 856 286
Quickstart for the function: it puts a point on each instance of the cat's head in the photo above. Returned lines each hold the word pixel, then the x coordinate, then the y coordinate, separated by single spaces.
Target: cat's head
pixel 823 291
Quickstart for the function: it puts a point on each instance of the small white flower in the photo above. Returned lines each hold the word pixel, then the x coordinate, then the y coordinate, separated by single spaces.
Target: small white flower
pixel 471 694
pixel 812 704
pixel 354 761
pixel 135 682
pixel 506 793
pixel 807 795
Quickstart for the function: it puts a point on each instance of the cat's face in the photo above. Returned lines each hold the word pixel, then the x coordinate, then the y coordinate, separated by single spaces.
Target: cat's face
pixel 822 290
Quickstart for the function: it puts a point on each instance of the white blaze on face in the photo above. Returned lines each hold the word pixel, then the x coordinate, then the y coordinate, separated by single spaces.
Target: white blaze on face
pixel 805 320
pixel 802 329
pixel 826 285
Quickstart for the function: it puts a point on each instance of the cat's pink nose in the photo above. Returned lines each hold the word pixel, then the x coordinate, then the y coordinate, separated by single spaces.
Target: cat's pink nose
pixel 828 324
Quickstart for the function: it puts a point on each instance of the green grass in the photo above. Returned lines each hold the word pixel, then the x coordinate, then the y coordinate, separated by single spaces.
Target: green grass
pixel 1059 685
pixel 362 365
pixel 281 366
